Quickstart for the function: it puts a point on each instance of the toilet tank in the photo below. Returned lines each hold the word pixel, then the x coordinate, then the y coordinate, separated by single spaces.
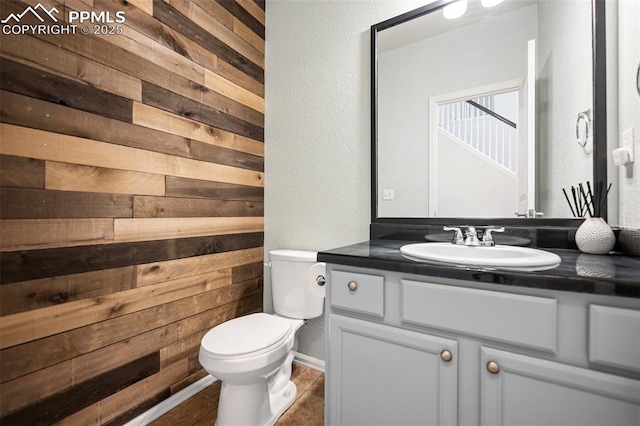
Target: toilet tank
pixel 295 291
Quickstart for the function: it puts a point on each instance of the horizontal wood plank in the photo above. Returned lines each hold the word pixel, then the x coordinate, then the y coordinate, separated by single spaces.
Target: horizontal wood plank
pixel 200 17
pixel 27 326
pixel 144 47
pixel 76 397
pixel 25 234
pixel 161 98
pixel 24 142
pixel 235 75
pixel 158 119
pixel 253 9
pixel 145 5
pixel 171 17
pixel 215 154
pixel 30 112
pixel 241 13
pixel 111 407
pixel 164 207
pixel 216 11
pixel 19 78
pixel 247 272
pixel 140 408
pixel 249 36
pixel 189 380
pixel 35 264
pixel 54 379
pixel 74 177
pixel 156 272
pixel 221 85
pixel 180 187
pixel 35 294
pixel 48 381
pixel 20 172
pixel 144 229
pixel 33 356
pixel 18 203
pixel 201 323
pixel 30 51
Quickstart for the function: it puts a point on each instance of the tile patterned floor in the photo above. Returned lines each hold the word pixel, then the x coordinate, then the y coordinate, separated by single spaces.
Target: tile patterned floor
pixel 308 410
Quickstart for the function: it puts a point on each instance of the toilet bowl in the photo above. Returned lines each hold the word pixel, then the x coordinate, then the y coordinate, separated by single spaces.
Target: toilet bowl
pixel 252 355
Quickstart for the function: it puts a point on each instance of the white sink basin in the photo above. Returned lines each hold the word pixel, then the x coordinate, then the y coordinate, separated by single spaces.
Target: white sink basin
pixel 499 256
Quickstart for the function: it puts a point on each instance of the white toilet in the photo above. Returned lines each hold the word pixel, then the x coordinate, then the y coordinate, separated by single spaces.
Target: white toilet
pixel 252 355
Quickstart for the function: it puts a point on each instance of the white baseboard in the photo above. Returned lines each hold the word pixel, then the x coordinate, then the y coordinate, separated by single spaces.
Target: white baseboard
pixel 174 400
pixel 309 361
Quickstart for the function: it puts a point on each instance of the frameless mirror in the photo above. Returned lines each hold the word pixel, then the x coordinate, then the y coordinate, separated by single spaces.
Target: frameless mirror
pixel 486 115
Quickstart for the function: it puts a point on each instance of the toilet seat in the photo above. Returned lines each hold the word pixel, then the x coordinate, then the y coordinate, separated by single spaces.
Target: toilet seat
pixel 246 336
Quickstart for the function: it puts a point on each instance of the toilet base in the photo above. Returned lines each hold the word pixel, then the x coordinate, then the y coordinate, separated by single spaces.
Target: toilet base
pixel 281 401
pixel 268 410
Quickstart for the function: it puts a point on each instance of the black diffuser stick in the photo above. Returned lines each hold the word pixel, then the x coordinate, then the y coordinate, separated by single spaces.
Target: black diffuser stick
pixel 568 202
pixel 575 202
pixel 603 199
pixel 587 204
pixel 591 196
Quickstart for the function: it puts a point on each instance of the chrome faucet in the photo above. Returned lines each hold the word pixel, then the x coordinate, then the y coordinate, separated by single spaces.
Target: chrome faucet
pixel 470 236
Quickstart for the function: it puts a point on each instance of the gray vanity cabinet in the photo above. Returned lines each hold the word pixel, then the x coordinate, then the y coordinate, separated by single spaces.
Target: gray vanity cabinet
pixel 372 361
pixel 523 390
pixel 412 350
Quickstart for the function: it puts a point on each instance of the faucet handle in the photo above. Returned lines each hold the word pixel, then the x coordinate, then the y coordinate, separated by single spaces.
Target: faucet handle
pixel 458 237
pixel 487 238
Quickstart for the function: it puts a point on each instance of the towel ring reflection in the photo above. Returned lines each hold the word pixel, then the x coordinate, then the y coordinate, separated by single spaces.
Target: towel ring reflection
pixel 584 120
pixel 638 79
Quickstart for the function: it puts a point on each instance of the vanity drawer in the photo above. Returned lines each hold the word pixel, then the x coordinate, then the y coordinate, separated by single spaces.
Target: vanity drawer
pixel 614 337
pixel 511 318
pixel 358 292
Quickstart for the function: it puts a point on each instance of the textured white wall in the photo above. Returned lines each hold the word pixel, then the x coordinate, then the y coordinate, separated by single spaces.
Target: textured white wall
pixel 317 128
pixel 629 109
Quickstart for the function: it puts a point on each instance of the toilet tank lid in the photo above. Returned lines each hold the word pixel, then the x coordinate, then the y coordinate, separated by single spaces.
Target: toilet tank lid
pixel 294 255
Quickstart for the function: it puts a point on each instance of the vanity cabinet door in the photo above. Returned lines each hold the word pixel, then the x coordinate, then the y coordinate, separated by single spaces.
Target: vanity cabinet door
pixel 382 375
pixel 523 390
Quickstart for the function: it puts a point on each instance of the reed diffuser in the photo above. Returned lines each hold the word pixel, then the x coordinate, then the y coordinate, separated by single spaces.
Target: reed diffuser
pixel 594 235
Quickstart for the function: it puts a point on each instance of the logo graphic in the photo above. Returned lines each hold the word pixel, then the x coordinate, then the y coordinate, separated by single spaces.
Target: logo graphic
pixel 32 10
pixel 95 22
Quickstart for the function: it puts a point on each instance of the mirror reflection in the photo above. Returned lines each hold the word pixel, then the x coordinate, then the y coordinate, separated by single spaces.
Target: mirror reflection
pixel 485 115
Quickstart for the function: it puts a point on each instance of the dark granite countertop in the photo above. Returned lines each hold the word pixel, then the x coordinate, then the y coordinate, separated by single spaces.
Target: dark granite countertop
pixel 612 275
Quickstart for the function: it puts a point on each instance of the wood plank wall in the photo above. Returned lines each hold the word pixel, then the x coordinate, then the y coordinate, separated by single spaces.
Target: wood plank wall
pixel 131 216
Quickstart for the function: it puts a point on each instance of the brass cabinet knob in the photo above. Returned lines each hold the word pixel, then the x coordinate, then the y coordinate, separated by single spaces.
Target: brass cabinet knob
pixel 446 356
pixel 493 367
pixel 352 285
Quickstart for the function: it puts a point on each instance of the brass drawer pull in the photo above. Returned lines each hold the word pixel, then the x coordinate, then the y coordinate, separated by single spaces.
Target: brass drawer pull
pixel 352 285
pixel 446 356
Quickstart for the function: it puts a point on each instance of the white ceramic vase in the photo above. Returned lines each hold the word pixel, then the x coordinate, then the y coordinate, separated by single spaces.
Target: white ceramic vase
pixel 595 236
